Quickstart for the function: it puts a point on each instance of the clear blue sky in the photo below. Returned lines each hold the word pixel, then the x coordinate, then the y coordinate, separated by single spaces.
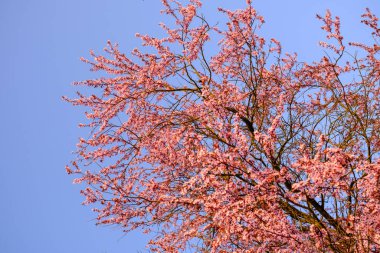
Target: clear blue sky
pixel 40 46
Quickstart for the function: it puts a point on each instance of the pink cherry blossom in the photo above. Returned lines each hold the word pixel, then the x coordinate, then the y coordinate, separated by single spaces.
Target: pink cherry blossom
pixel 245 150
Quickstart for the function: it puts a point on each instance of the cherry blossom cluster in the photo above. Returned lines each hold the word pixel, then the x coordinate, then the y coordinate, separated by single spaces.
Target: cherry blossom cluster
pixel 242 150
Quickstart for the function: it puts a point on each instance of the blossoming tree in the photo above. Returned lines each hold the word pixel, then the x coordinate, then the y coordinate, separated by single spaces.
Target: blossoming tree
pixel 245 150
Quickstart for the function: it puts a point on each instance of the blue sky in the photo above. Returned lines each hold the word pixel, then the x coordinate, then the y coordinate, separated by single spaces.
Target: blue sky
pixel 40 46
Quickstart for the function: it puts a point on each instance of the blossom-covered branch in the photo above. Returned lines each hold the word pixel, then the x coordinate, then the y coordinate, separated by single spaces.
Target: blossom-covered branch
pixel 244 150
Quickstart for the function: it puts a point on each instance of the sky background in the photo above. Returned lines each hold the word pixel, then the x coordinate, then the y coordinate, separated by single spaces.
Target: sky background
pixel 40 46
